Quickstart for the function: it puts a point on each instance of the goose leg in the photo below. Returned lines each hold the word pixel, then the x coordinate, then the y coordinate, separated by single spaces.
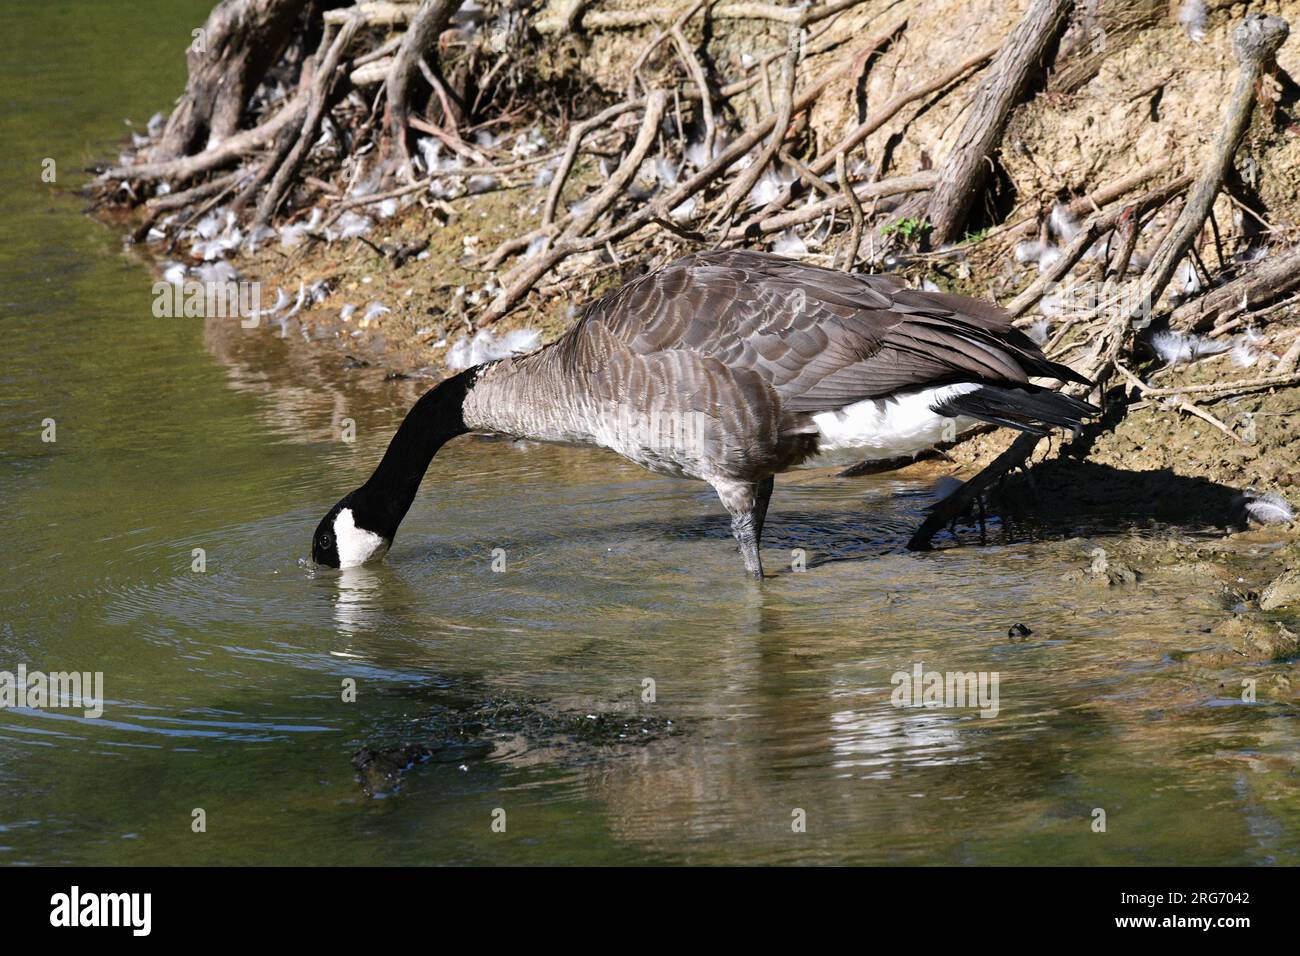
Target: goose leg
pixel 762 495
pixel 742 501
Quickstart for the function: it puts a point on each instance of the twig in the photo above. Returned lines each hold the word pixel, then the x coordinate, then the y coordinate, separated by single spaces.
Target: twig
pixel 517 283
pixel 595 207
pixel 159 204
pixel 1097 198
pixel 815 183
pixel 1248 316
pixel 1291 358
pixel 780 127
pixel 429 22
pixel 222 154
pixel 449 112
pixel 655 42
pixel 701 81
pixel 1265 280
pixel 576 135
pixel 854 239
pixel 1096 226
pixel 826 161
pixel 895 186
pixel 1181 404
pixel 453 141
pixel 323 83
pixel 947 510
pixel 1219 389
pixel 574 15
pixel 1256 40
pixel 660 207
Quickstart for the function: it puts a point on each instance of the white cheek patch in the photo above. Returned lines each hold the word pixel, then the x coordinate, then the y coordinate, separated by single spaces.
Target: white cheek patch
pixel 356 545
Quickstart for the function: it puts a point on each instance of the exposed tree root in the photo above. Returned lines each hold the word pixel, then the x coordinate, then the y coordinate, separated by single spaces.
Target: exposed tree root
pixel 1256 41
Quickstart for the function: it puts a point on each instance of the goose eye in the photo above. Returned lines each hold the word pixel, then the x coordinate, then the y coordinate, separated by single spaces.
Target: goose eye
pixel 324 541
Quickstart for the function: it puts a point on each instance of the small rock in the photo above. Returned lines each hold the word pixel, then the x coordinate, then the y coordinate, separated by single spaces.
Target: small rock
pixel 1259 640
pixel 1122 574
pixel 1017 631
pixel 1284 591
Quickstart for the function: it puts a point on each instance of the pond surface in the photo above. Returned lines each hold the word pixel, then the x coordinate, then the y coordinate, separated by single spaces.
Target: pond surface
pixel 225 686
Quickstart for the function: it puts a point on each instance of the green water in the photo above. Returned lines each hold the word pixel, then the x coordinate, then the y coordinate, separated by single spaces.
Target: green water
pixel 224 687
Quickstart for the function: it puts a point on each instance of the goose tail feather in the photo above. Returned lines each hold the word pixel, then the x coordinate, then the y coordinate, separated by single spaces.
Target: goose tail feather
pixel 1027 409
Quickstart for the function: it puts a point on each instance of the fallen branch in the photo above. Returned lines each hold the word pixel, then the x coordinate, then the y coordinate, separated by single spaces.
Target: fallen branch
pixel 595 207
pixel 660 208
pixel 854 239
pixel 238 42
pixel 574 15
pixel 379 14
pixel 881 188
pixel 1255 41
pixel 701 81
pixel 222 154
pixel 1266 280
pixel 952 507
pixel 429 22
pixel 1219 389
pixel 780 127
pixel 1089 202
pixel 577 134
pixel 1291 358
pixel 520 280
pixel 160 204
pixel 964 171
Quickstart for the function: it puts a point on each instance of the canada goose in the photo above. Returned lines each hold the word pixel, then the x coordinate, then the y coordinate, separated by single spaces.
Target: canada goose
pixel 729 367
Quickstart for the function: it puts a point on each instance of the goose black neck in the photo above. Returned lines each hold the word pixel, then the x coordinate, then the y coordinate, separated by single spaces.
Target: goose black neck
pixel 434 420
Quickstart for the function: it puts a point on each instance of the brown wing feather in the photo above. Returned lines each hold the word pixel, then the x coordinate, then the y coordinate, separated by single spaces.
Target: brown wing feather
pixel 819 338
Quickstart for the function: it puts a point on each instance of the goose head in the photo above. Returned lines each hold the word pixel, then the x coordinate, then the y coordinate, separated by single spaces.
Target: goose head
pixel 362 526
pixel 349 535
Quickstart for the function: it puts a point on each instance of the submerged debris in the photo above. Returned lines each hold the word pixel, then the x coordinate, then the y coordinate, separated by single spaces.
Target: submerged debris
pixel 381 770
pixel 456 730
pixel 1283 591
pixel 1104 570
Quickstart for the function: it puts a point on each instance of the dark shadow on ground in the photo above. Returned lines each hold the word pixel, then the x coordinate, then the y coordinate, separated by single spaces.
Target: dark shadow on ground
pixel 1103 498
